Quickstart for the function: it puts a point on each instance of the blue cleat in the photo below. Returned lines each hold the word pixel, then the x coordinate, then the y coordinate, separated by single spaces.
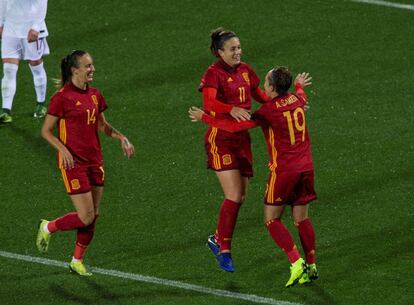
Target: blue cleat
pixel 212 244
pixel 225 261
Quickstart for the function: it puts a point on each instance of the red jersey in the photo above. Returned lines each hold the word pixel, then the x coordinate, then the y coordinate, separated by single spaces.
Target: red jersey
pixel 234 85
pixel 77 111
pixel 284 126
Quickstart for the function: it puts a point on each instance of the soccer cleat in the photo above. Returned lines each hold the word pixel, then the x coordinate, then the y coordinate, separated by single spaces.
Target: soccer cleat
pixel 296 272
pixel 43 238
pixel 223 259
pixel 310 274
pixel 225 262
pixel 79 268
pixel 40 111
pixel 212 244
pixel 5 118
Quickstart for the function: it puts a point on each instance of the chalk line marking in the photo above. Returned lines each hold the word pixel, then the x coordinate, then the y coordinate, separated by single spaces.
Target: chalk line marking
pixel 387 3
pixel 153 280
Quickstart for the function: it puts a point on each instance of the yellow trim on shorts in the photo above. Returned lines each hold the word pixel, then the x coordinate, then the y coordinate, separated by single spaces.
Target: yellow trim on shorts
pixel 271 140
pixel 214 148
pixel 271 188
pixel 65 180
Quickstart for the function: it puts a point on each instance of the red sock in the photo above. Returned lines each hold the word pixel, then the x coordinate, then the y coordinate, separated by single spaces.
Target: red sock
pixel 67 222
pixel 227 221
pixel 307 239
pixel 283 239
pixel 83 239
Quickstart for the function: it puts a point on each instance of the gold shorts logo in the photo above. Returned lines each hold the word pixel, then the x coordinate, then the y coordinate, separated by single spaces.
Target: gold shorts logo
pixel 75 184
pixel 226 159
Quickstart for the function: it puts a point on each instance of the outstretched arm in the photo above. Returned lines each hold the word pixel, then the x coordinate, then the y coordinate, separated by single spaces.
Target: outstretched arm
pixel 260 96
pixel 198 115
pixel 212 104
pixel 302 80
pixel 110 131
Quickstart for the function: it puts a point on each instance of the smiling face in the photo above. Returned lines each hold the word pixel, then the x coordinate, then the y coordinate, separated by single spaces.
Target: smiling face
pixel 83 74
pixel 231 52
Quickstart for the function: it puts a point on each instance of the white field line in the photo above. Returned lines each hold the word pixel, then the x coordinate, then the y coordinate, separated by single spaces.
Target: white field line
pixel 386 3
pixel 153 280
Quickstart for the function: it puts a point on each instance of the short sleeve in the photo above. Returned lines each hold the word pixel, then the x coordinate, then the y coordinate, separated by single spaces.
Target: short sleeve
pixel 209 80
pixel 55 107
pixel 102 103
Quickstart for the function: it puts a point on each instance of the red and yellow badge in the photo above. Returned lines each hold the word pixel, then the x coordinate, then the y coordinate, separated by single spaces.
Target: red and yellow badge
pixel 246 77
pixel 226 159
pixel 75 184
pixel 94 99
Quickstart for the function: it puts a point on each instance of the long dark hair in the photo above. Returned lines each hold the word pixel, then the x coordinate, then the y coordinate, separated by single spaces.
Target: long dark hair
pixel 281 79
pixel 67 63
pixel 218 37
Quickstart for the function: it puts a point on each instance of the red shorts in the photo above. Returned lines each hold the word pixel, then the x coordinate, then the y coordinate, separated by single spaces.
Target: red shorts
pixel 290 188
pixel 80 179
pixel 229 152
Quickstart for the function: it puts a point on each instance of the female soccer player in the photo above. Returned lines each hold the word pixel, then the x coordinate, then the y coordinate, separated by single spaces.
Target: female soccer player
pixel 291 167
pixel 227 87
pixel 77 110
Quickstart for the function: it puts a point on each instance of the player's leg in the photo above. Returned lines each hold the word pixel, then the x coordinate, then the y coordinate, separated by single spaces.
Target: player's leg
pixel 8 88
pixel 85 235
pixel 307 239
pixel 233 185
pixel 78 188
pixel 86 213
pixel 278 193
pixel 40 84
pixel 284 241
pixel 33 53
pixel 304 194
pixel 11 53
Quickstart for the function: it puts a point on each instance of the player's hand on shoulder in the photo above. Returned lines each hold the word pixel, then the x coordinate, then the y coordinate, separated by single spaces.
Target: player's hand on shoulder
pixel 240 114
pixel 32 36
pixel 195 114
pixel 127 147
pixel 303 79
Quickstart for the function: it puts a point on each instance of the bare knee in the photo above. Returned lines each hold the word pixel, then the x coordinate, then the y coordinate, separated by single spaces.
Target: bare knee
pixel 87 217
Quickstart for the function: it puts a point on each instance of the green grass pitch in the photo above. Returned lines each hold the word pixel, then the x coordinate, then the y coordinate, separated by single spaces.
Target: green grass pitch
pixel 159 207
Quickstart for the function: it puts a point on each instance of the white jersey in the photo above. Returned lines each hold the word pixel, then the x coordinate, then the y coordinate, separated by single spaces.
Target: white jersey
pixel 18 17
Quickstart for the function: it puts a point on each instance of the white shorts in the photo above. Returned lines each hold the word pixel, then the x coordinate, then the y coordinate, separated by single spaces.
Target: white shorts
pixel 20 48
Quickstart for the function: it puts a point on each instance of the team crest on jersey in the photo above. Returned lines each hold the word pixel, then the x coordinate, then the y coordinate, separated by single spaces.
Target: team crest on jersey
pixel 246 77
pixel 229 80
pixel 278 199
pixel 75 184
pixel 94 99
pixel 226 159
pixel 78 103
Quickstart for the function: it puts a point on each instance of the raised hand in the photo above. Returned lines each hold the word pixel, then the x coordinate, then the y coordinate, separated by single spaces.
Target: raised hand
pixel 303 79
